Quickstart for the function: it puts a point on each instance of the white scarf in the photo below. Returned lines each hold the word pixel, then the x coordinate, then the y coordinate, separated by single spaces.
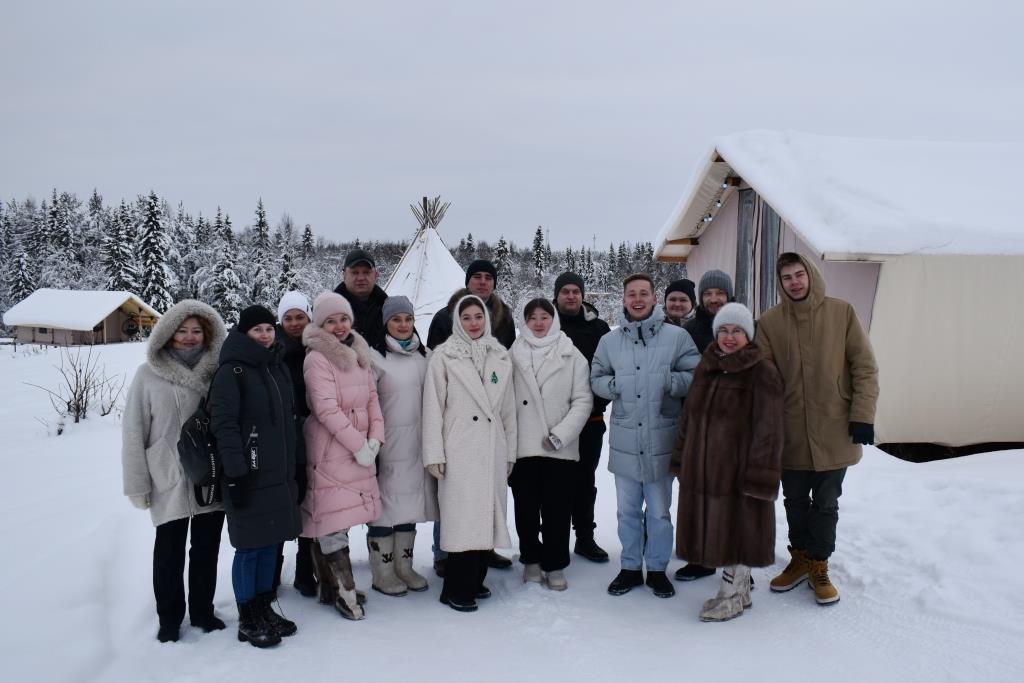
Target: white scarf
pixel 534 350
pixel 476 349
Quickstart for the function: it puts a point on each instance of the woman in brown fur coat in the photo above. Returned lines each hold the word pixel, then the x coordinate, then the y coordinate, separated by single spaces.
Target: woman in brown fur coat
pixel 728 458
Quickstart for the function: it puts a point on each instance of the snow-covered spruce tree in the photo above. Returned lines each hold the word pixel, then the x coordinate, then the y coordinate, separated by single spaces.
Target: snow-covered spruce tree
pixel 21 279
pixel 61 265
pixel 155 278
pixel 538 255
pixel 570 259
pixel 261 289
pixel 226 287
pixel 118 254
pixel 287 279
pixel 308 242
pixel 503 260
pixel 588 273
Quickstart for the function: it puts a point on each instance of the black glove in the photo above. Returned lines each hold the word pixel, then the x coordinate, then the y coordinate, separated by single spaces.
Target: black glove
pixel 238 491
pixel 862 433
pixel 302 481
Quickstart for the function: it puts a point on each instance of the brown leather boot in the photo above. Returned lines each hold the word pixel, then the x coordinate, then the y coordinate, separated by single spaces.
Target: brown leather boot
pixel 824 592
pixel 794 574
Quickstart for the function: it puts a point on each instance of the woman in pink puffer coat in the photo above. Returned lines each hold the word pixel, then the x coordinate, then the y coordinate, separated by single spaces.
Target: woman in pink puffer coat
pixel 343 434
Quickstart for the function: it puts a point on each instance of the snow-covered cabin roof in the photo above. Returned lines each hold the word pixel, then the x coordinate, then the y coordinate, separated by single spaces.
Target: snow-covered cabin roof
pixel 854 199
pixel 71 309
pixel 428 274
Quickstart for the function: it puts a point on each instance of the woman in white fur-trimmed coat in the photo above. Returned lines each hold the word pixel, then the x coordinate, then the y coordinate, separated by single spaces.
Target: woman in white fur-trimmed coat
pixel 553 403
pixel 469 445
pixel 181 357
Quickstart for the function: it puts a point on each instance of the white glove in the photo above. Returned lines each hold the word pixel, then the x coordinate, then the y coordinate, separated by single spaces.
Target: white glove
pixel 508 472
pixel 436 470
pixel 367 452
pixel 140 501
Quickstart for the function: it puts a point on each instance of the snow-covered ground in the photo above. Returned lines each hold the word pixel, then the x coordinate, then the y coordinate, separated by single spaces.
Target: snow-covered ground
pixel 929 566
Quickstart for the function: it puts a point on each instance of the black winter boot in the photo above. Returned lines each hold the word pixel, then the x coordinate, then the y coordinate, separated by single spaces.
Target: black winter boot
pixel 305 582
pixel 252 627
pixel 692 572
pixel 168 633
pixel 281 626
pixel 627 580
pixel 587 548
pixel 208 622
pixel 660 585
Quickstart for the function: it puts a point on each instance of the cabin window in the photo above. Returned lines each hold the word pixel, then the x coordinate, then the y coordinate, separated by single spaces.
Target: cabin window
pixel 44 330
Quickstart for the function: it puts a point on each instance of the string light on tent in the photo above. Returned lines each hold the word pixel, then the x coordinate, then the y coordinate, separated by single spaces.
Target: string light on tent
pixel 717 201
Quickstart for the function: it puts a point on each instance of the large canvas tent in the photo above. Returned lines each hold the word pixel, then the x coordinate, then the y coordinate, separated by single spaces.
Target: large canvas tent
pixel 427 273
pixel 922 238
pixel 66 317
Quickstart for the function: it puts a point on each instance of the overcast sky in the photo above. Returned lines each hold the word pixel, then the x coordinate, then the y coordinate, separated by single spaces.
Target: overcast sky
pixel 585 117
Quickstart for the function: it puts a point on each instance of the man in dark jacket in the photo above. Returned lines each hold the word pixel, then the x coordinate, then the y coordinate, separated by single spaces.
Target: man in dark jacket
pixel 582 325
pixel 714 291
pixel 359 287
pixel 481 279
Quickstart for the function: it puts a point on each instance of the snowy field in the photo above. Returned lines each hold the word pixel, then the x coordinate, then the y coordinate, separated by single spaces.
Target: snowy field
pixel 929 567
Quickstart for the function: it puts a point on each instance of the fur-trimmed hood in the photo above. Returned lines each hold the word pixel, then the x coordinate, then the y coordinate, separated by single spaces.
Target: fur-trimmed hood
pixel 341 355
pixel 197 378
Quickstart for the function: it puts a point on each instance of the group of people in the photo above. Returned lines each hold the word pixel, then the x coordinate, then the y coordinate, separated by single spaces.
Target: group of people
pixel 337 414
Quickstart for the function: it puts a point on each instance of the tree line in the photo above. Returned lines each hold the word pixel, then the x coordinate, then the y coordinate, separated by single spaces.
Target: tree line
pixel 166 254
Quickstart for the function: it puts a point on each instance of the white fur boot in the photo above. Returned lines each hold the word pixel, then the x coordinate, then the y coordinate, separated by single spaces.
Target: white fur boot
pixel 382 565
pixel 733 595
pixel 405 541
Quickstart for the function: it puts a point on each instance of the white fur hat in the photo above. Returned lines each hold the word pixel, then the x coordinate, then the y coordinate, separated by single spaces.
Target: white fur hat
pixel 734 314
pixel 296 300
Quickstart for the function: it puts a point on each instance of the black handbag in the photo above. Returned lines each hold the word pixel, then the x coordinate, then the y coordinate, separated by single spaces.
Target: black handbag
pixel 197 450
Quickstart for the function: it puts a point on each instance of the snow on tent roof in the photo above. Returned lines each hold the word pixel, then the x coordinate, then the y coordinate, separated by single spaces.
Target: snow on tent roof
pixel 866 199
pixel 70 309
pixel 428 274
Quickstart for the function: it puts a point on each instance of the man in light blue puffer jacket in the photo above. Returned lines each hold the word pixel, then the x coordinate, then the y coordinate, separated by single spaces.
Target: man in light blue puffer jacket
pixel 644 367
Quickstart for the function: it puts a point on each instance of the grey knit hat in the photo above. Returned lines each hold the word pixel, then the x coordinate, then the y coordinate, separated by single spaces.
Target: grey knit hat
pixel 396 305
pixel 714 279
pixel 734 314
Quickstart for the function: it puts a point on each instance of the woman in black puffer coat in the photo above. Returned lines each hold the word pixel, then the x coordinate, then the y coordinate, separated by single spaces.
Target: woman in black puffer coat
pixel 252 419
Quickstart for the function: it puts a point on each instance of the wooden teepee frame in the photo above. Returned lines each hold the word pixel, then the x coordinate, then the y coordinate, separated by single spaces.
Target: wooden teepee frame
pixel 430 212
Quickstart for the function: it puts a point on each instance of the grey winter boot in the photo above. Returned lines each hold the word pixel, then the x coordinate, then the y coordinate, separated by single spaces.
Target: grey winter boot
pixel 733 595
pixel 382 565
pixel 405 541
pixel 347 602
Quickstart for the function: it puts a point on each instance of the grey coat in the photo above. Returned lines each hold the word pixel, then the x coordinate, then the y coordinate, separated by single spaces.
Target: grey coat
pixel 407 492
pixel 644 367
pixel 162 396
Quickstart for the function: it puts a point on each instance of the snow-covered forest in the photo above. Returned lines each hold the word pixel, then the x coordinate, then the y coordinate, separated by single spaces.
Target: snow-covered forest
pixel 164 254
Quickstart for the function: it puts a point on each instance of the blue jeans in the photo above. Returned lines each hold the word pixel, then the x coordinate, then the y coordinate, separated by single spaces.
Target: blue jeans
pixel 252 572
pixel 645 531
pixel 436 547
pixel 385 531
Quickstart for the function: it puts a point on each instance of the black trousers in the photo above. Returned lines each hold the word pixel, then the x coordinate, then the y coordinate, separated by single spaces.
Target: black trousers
pixel 303 563
pixel 169 567
pixel 812 509
pixel 585 492
pixel 464 575
pixel 543 492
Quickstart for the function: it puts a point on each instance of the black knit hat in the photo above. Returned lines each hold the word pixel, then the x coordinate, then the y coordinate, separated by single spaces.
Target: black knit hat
pixel 568 278
pixel 253 316
pixel 685 286
pixel 481 266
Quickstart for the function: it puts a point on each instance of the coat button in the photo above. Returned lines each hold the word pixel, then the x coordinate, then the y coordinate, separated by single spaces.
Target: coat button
pixel 525 402
pixel 638 395
pixel 475 418
pixel 641 424
pixel 489 419
pixel 638 367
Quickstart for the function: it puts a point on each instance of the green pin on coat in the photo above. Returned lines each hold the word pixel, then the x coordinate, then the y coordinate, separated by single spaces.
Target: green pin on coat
pixel 494 378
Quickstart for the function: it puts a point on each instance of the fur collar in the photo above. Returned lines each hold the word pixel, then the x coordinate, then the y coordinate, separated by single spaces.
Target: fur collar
pixel 741 360
pixel 341 355
pixel 496 308
pixel 166 367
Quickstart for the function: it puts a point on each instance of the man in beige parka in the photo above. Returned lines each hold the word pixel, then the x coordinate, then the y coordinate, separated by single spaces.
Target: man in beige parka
pixel 831 387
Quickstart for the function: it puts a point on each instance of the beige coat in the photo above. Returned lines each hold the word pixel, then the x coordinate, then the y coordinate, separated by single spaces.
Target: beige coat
pixel 162 396
pixel 554 398
pixel 407 492
pixel 829 373
pixel 469 424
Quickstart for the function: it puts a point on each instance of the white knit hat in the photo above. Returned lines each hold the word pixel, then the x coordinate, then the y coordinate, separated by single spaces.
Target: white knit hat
pixel 734 314
pixel 296 300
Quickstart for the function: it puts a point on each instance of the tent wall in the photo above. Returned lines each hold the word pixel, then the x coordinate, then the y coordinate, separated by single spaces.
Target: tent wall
pixel 717 247
pixel 947 351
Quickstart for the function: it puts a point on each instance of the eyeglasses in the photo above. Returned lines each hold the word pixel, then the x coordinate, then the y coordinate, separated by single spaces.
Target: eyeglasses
pixel 722 332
